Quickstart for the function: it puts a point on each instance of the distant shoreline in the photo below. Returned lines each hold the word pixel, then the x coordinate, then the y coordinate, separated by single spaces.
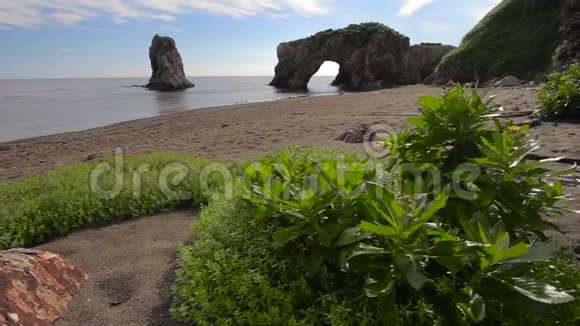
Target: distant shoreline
pixel 35 108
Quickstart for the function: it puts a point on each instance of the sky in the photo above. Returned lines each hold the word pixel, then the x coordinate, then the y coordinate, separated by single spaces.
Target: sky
pixel 110 38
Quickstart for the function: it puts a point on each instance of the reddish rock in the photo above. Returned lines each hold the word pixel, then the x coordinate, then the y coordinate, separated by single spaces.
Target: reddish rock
pixel 36 287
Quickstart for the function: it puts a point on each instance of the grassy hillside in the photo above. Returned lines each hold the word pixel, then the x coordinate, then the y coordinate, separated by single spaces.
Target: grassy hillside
pixel 517 38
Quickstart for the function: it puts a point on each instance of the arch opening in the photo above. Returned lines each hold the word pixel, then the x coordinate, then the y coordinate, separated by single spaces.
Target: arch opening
pixel 323 81
pixel 328 69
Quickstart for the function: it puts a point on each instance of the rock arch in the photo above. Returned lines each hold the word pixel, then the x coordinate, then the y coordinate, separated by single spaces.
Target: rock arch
pixel 367 54
pixel 370 55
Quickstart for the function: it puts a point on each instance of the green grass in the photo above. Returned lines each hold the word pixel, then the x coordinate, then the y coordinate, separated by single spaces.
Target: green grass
pixel 54 203
pixel 518 37
pixel 39 208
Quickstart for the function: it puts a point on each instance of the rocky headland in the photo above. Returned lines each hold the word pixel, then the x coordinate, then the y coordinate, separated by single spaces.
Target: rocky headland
pixel 521 38
pixel 371 56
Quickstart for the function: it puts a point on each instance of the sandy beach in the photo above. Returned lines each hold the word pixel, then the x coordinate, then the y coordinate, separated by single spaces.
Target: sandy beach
pixel 248 130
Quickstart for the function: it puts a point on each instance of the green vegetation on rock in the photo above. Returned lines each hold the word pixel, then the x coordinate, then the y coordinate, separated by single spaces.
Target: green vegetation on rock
pixel 518 37
pixel 355 29
pixel 560 97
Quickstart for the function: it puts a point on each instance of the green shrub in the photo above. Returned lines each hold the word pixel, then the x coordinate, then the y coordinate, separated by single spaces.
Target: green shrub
pixel 57 202
pixel 230 275
pixel 451 136
pixel 398 254
pixel 560 97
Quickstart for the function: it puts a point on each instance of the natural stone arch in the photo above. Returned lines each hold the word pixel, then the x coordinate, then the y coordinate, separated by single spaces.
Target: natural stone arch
pixel 370 57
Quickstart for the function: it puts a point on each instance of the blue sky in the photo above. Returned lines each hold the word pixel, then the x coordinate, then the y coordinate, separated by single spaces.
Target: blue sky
pixel 110 38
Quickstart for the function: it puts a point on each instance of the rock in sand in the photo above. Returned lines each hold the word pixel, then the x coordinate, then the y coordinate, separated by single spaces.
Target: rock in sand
pixel 509 81
pixel 36 287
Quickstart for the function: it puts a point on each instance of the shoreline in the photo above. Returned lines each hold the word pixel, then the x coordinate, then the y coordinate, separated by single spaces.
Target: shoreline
pixel 219 107
pixel 247 130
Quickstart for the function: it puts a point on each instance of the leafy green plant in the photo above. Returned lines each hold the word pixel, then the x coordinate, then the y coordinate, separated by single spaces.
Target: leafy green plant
pixel 312 200
pixel 450 247
pixel 230 274
pixel 560 97
pixel 411 253
pixel 453 137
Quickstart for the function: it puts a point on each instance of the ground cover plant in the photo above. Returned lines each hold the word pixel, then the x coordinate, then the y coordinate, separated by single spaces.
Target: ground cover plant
pixel 560 97
pixel 407 240
pixel 57 202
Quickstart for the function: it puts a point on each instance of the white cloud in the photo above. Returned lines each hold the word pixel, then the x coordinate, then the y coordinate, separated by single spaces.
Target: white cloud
pixel 32 13
pixel 412 6
pixel 480 11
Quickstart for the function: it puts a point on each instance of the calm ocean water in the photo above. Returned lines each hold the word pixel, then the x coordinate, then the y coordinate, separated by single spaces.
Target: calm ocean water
pixel 30 108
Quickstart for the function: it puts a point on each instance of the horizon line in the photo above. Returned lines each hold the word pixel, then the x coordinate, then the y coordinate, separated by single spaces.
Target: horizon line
pixel 143 77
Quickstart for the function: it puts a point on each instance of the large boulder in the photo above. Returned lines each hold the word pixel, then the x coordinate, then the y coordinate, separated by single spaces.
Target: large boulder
pixel 370 55
pixel 517 38
pixel 36 287
pixel 509 81
pixel 167 66
pixel 569 51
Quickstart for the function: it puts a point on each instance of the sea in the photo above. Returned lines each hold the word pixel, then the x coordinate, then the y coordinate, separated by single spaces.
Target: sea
pixel 39 107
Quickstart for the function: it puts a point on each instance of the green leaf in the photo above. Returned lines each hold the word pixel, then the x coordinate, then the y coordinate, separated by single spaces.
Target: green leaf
pixel 516 251
pixel 427 213
pixel 450 255
pixel 364 258
pixel 386 202
pixel 538 291
pixel 263 212
pixel 408 267
pixel 417 121
pixel 477 308
pixel 284 236
pixel 351 236
pixel 430 102
pixel 327 232
pixel 381 283
pixel 540 252
pixel 382 230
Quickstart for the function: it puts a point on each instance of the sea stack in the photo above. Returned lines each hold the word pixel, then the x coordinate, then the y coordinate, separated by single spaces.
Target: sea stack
pixel 167 66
